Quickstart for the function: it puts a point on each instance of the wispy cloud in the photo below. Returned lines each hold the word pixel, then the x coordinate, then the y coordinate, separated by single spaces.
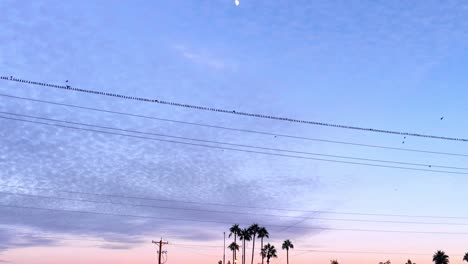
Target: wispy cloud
pixel 204 58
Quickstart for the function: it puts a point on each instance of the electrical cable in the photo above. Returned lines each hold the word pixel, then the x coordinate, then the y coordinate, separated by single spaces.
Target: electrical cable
pixel 235 149
pixel 234 112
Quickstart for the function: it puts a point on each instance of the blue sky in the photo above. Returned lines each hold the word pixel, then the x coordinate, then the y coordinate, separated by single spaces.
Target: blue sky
pixel 394 65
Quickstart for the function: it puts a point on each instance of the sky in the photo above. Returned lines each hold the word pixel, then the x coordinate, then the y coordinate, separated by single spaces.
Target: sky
pixel 394 65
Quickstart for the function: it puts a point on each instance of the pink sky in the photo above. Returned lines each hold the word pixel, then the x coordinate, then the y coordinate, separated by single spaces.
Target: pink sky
pixel 80 252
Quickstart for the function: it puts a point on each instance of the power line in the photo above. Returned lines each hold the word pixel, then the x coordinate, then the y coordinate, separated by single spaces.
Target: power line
pixel 234 205
pixel 304 218
pixel 235 129
pixel 214 247
pixel 238 145
pixel 363 252
pixel 233 112
pixel 220 222
pixel 235 149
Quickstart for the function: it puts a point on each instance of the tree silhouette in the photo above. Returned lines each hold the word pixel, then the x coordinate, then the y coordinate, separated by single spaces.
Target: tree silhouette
pixel 244 236
pixel 465 258
pixel 269 251
pixel 234 231
pixel 234 248
pixel 334 261
pixel 286 246
pixel 262 233
pixel 409 262
pixel 254 228
pixel 440 257
pixel 386 262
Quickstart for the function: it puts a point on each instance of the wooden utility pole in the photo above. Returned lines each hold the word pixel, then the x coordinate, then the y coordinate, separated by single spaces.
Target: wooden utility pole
pixel 224 250
pixel 160 243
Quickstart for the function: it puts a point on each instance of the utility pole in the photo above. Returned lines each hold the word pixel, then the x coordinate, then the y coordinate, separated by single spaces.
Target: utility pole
pixel 160 243
pixel 224 252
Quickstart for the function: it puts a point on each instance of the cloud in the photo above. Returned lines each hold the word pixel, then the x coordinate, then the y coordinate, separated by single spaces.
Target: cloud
pixel 10 239
pixel 204 58
pixel 117 247
pixel 77 161
pixel 59 158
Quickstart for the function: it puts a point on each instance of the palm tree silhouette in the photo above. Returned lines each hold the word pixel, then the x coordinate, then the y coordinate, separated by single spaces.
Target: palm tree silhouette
pixel 465 258
pixel 233 247
pixel 440 257
pixel 269 251
pixel 244 236
pixel 334 261
pixel 287 245
pixel 409 262
pixel 262 233
pixel 253 232
pixel 234 230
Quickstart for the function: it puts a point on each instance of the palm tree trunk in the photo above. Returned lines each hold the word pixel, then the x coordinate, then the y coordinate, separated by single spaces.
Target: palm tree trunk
pixel 243 251
pixel 253 249
pixel 261 247
pixel 287 256
pixel 234 251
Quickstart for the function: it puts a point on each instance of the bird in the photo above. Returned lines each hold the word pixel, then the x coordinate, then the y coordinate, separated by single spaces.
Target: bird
pixel 66 81
pixel 403 142
pixel 442 118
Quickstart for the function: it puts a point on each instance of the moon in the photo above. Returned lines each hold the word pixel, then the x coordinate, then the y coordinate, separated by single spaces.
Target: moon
pixel 237 2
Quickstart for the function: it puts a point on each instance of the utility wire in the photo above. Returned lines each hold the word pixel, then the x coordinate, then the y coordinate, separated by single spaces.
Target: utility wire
pixel 234 129
pixel 232 212
pixel 228 223
pixel 236 149
pixel 232 205
pixel 233 112
pixel 214 247
pixel 238 145
pixel 306 251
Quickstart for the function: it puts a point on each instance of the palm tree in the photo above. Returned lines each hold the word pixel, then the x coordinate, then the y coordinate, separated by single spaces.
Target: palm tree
pixel 334 261
pixel 386 262
pixel 262 233
pixel 269 251
pixel 253 232
pixel 233 247
pixel 465 258
pixel 287 245
pixel 409 262
pixel 440 257
pixel 244 236
pixel 234 231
